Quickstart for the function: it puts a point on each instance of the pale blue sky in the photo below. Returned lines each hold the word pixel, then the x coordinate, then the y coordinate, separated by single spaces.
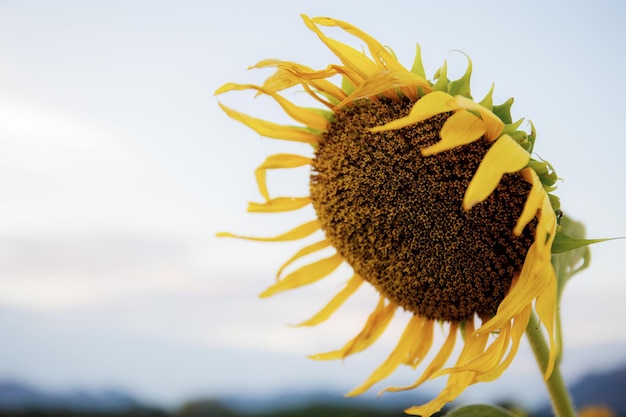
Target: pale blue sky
pixel 117 169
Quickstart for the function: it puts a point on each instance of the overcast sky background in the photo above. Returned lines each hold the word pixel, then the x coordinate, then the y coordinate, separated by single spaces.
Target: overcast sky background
pixel 117 168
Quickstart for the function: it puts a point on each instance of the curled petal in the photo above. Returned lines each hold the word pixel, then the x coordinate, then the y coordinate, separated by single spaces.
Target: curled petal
pixel 493 124
pixel 428 106
pixel 376 324
pixel 277 161
pixel 460 129
pixel 504 156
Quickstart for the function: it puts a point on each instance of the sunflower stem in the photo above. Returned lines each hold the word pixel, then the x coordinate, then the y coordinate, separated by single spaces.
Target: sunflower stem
pixel 559 396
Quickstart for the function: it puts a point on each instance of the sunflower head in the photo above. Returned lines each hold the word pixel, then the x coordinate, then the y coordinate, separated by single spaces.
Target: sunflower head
pixel 431 197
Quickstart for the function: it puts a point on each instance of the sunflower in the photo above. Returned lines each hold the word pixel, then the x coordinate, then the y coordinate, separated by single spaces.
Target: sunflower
pixel 429 196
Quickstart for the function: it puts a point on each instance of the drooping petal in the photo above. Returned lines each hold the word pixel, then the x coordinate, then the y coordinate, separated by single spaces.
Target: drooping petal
pixel 410 337
pixel 376 324
pixel 306 275
pixel 307 250
pixel 460 129
pixel 354 60
pixel 273 130
pixel 352 285
pixel 383 57
pixel 457 381
pixel 519 326
pixel 504 156
pixel 546 309
pixel 534 200
pixel 299 232
pixel 277 161
pixel 493 124
pixel 532 281
pixel 279 204
pixel 299 114
pixel 423 345
pixel 428 106
pixel 384 82
pixel 436 364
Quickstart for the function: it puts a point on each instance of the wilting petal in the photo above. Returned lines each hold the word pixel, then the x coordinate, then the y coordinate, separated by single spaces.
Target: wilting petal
pixel 411 336
pixel 307 250
pixel 354 60
pixel 279 204
pixel 546 309
pixel 504 156
pixel 376 324
pixel 384 58
pixel 299 232
pixel 277 161
pixel 436 364
pixel 384 82
pixel 352 285
pixel 273 130
pixel 306 275
pixel 299 114
pixel 519 326
pixel 460 129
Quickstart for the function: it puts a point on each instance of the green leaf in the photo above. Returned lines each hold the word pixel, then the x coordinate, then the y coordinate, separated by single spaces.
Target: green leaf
pixel 480 410
pixel 565 243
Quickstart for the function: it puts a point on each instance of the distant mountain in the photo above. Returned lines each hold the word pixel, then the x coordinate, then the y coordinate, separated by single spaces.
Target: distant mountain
pixel 607 389
pixel 602 389
pixel 17 396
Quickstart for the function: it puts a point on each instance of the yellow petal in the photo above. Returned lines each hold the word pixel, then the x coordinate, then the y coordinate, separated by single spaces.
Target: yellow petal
pixel 277 161
pixel 423 345
pixel 384 58
pixel 546 308
pixel 493 124
pixel 437 363
pixel 299 232
pixel 517 331
pixel 299 114
pixel 428 106
pixel 352 285
pixel 279 204
pixel 376 324
pixel 306 275
pixel 487 360
pixel 460 129
pixel 354 60
pixel 504 156
pixel 532 281
pixel 307 250
pixel 411 336
pixel 534 200
pixel 273 130
pixel 384 82
pixel 458 381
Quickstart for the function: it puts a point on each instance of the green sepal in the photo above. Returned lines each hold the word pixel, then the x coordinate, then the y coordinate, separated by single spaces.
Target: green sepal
pixel 462 85
pixel 442 78
pixel 564 243
pixel 418 65
pixel 532 136
pixel 480 410
pixel 487 102
pixel 555 202
pixel 327 114
pixel 545 171
pixel 503 111
pixel 346 85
